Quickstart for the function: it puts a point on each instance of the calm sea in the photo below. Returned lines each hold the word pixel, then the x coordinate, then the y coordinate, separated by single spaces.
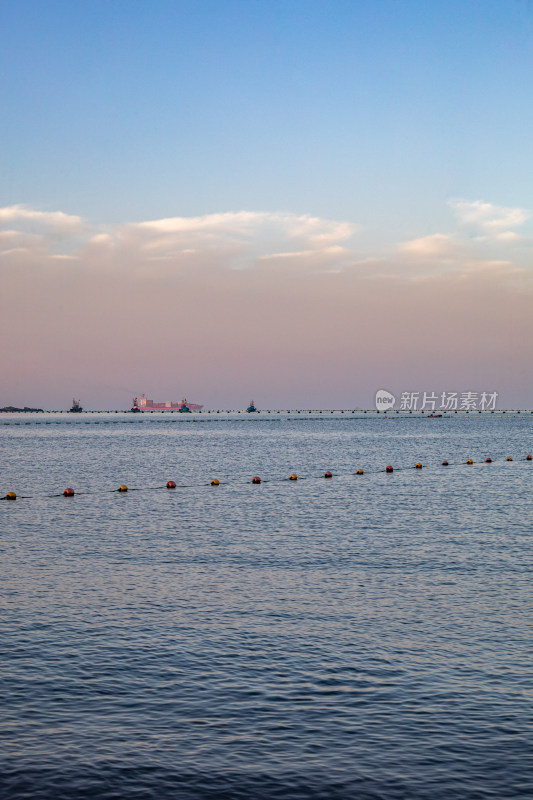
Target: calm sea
pixel 368 636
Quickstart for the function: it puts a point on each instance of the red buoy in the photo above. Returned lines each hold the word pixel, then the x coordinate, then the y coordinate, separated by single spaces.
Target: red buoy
pixel 528 458
pixel 488 460
pixel 256 480
pixel 171 485
pixel 444 463
pixel 327 474
pixel 69 492
pixel 389 469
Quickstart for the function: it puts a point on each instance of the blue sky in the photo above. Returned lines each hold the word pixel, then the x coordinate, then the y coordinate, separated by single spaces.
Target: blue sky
pixel 376 112
pixel 385 143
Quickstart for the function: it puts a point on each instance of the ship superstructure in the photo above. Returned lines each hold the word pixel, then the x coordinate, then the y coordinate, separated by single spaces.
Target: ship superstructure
pixel 183 405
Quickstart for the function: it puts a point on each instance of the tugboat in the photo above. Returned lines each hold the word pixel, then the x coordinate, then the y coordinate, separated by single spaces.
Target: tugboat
pixel 184 408
pixel 76 408
pixel 251 408
pixel 135 408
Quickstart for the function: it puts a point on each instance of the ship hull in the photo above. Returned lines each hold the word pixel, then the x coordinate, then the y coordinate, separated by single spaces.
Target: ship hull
pixel 183 405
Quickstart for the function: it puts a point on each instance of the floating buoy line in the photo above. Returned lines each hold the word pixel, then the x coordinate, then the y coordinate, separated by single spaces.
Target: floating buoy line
pixel 122 488
pixel 208 415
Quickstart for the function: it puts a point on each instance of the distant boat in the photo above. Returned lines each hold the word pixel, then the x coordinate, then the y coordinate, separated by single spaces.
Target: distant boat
pixel 135 408
pixel 76 408
pixel 433 416
pixel 169 405
pixel 251 408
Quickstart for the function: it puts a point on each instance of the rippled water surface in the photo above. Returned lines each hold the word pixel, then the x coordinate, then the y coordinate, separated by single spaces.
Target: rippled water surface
pixel 368 636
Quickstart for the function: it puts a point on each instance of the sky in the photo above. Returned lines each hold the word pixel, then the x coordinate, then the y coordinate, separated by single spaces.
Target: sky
pixel 298 202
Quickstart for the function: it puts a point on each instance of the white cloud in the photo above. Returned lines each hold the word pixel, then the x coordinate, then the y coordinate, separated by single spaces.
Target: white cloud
pixel 509 236
pixel 326 259
pixel 318 231
pixel 487 216
pixel 245 222
pixel 268 242
pixel 235 240
pixel 437 245
pixel 14 251
pixel 242 225
pixel 55 220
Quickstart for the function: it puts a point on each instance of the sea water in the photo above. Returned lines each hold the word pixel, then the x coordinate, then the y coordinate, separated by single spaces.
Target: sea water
pixel 366 636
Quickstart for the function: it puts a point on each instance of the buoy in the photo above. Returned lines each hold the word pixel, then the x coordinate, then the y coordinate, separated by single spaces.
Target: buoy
pixel 418 465
pixel 360 472
pixel 389 469
pixel 293 477
pixel 171 485
pixel 509 458
pixel 327 474
pixel 469 461
pixel 256 480
pixel 444 463
pixel 69 492
pixel 214 482
pixel 11 496
pixel 528 458
pixel 488 461
pixel 122 488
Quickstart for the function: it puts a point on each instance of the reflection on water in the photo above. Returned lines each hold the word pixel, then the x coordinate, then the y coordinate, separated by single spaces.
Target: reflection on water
pixel 361 637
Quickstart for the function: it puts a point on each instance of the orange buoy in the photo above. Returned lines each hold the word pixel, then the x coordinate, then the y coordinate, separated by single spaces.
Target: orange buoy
pixel 122 488
pixel 293 477
pixel 509 458
pixel 171 485
pixel 488 461
pixel 389 469
pixel 10 496
pixel 360 472
pixel 469 461
pixel 68 492
pixel 327 474
pixel 528 458
pixel 418 465
pixel 256 480
pixel 214 482
pixel 444 463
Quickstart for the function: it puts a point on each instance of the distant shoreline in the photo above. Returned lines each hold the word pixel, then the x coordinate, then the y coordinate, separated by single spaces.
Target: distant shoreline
pixel 25 410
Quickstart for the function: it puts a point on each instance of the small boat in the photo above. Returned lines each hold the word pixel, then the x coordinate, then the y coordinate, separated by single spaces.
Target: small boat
pixel 251 408
pixel 135 408
pixel 184 408
pixel 76 408
pixel 433 416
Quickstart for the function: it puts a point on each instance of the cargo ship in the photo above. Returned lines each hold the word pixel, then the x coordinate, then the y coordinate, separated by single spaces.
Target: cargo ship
pixel 183 406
